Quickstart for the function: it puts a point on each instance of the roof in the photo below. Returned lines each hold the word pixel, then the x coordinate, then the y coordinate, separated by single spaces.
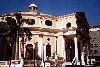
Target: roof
pixel 97 26
pixel 32 5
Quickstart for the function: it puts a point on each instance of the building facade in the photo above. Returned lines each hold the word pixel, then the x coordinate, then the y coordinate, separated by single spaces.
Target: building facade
pixel 65 37
pixel 95 42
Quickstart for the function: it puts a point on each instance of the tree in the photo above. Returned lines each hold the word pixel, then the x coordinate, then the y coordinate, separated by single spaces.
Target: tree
pixel 16 30
pixel 3 39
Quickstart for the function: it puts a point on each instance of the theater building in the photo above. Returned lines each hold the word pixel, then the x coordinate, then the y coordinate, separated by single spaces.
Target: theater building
pixel 62 38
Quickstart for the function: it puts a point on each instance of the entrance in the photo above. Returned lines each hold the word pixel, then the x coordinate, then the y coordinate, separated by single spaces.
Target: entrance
pixel 48 50
pixel 29 52
pixel 69 48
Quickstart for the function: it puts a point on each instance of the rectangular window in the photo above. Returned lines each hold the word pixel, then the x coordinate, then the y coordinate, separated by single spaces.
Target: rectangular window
pixel 95 51
pixel 95 45
pixel 91 45
pixel 91 51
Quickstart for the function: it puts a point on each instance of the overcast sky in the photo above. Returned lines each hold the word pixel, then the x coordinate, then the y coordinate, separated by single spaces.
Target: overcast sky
pixel 56 7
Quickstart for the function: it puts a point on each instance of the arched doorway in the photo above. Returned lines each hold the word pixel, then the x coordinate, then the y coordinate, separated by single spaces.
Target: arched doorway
pixel 8 52
pixel 48 50
pixel 29 52
pixel 69 48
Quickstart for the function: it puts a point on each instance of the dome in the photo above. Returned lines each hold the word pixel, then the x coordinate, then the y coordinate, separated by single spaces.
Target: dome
pixel 32 5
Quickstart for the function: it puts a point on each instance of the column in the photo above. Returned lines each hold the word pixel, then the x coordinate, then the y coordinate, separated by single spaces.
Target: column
pixel 40 46
pixel 63 47
pixel 76 48
pixel 20 48
pixel 45 51
pixel 24 49
pixel 56 57
pixel 56 45
pixel 82 58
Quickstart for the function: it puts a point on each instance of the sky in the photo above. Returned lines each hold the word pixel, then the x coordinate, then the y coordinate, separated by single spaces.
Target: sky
pixel 56 7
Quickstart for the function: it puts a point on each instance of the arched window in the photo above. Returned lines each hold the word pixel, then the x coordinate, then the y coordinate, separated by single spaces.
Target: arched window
pixel 48 23
pixel 48 50
pixel 68 25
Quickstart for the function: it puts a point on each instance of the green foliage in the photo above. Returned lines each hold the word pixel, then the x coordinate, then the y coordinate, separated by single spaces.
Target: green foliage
pixel 18 18
pixel 11 22
pixel 15 27
pixel 3 28
pixel 53 57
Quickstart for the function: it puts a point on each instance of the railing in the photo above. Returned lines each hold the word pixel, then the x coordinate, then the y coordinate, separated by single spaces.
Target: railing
pixel 14 63
pixel 31 63
pixel 19 63
pixel 3 62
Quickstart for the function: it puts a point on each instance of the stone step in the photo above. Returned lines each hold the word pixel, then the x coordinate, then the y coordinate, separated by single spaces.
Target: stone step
pixel 74 66
pixel 79 66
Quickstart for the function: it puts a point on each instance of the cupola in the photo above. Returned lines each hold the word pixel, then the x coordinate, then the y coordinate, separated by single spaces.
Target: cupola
pixel 32 8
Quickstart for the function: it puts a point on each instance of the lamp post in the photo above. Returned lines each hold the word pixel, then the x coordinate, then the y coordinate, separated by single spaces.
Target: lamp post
pixel 34 56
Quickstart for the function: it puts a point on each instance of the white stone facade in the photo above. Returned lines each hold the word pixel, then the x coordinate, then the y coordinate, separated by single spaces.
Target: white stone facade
pixel 55 32
pixel 95 41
